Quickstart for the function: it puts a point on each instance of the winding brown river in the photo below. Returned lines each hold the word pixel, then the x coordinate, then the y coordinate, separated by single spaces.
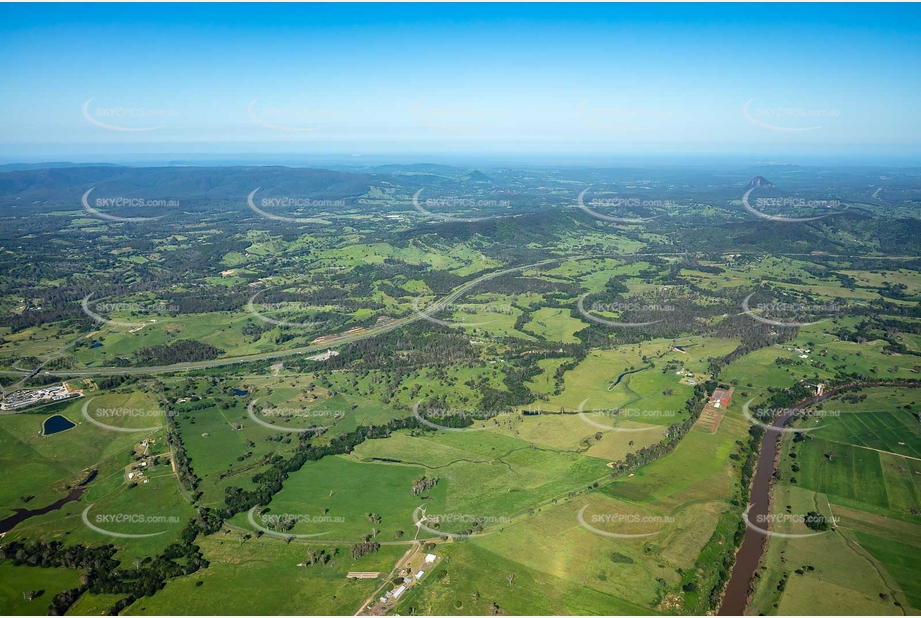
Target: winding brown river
pixel 735 598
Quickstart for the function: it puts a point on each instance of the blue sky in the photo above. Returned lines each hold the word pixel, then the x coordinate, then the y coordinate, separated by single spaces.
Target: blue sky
pixel 761 80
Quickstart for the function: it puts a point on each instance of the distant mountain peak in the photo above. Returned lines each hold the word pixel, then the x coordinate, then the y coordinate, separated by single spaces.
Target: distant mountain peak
pixel 478 176
pixel 760 181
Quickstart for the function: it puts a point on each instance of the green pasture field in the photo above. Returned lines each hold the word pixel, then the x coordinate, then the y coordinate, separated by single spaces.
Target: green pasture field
pixel 897 400
pixel 213 446
pixel 488 474
pixel 481 320
pixel 233 259
pixel 529 299
pixel 221 330
pixel 841 471
pixel 50 463
pixel 339 413
pixel 38 341
pixel 592 379
pixel 606 239
pixel 260 576
pixel 870 561
pixel 836 460
pixel 90 604
pixel 480 264
pixel 155 508
pixel 376 253
pixel 834 290
pixel 591 269
pixel 866 358
pixel 757 371
pixel 409 449
pixel 452 383
pixel 475 261
pixel 417 287
pixel 570 432
pixel 854 476
pixel 555 325
pixel 646 568
pixel 16 580
pixel 902 562
pixel 895 431
pixel 910 341
pixel 41 466
pixel 342 491
pixel 878 278
pixel 699 467
pixel 134 409
pixel 852 565
pixel 614 445
pixel 699 473
pixel 601 271
pixel 544 383
pixel 692 486
pixel 476 578
pixel 827 353
pixel 230 281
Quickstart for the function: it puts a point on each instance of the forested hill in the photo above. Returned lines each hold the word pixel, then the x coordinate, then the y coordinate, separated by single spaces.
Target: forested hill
pixel 180 182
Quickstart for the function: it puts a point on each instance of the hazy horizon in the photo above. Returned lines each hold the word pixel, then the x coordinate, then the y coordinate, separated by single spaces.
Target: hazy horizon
pixel 794 82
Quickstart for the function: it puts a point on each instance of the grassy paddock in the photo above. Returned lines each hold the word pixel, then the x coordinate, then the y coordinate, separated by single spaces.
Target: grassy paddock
pixel 261 577
pixel 16 580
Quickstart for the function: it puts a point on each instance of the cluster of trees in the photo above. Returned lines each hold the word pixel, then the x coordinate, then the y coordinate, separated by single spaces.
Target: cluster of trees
pixel 208 300
pixel 897 291
pixel 181 459
pixel 317 556
pixel 421 344
pixel 784 398
pixel 110 382
pixel 749 457
pixel 180 351
pixel 282 524
pixel 818 522
pixel 56 554
pixel 364 548
pixel 454 420
pixel 103 572
pixel 423 484
pixel 55 304
pixel 887 328
pixel 669 314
